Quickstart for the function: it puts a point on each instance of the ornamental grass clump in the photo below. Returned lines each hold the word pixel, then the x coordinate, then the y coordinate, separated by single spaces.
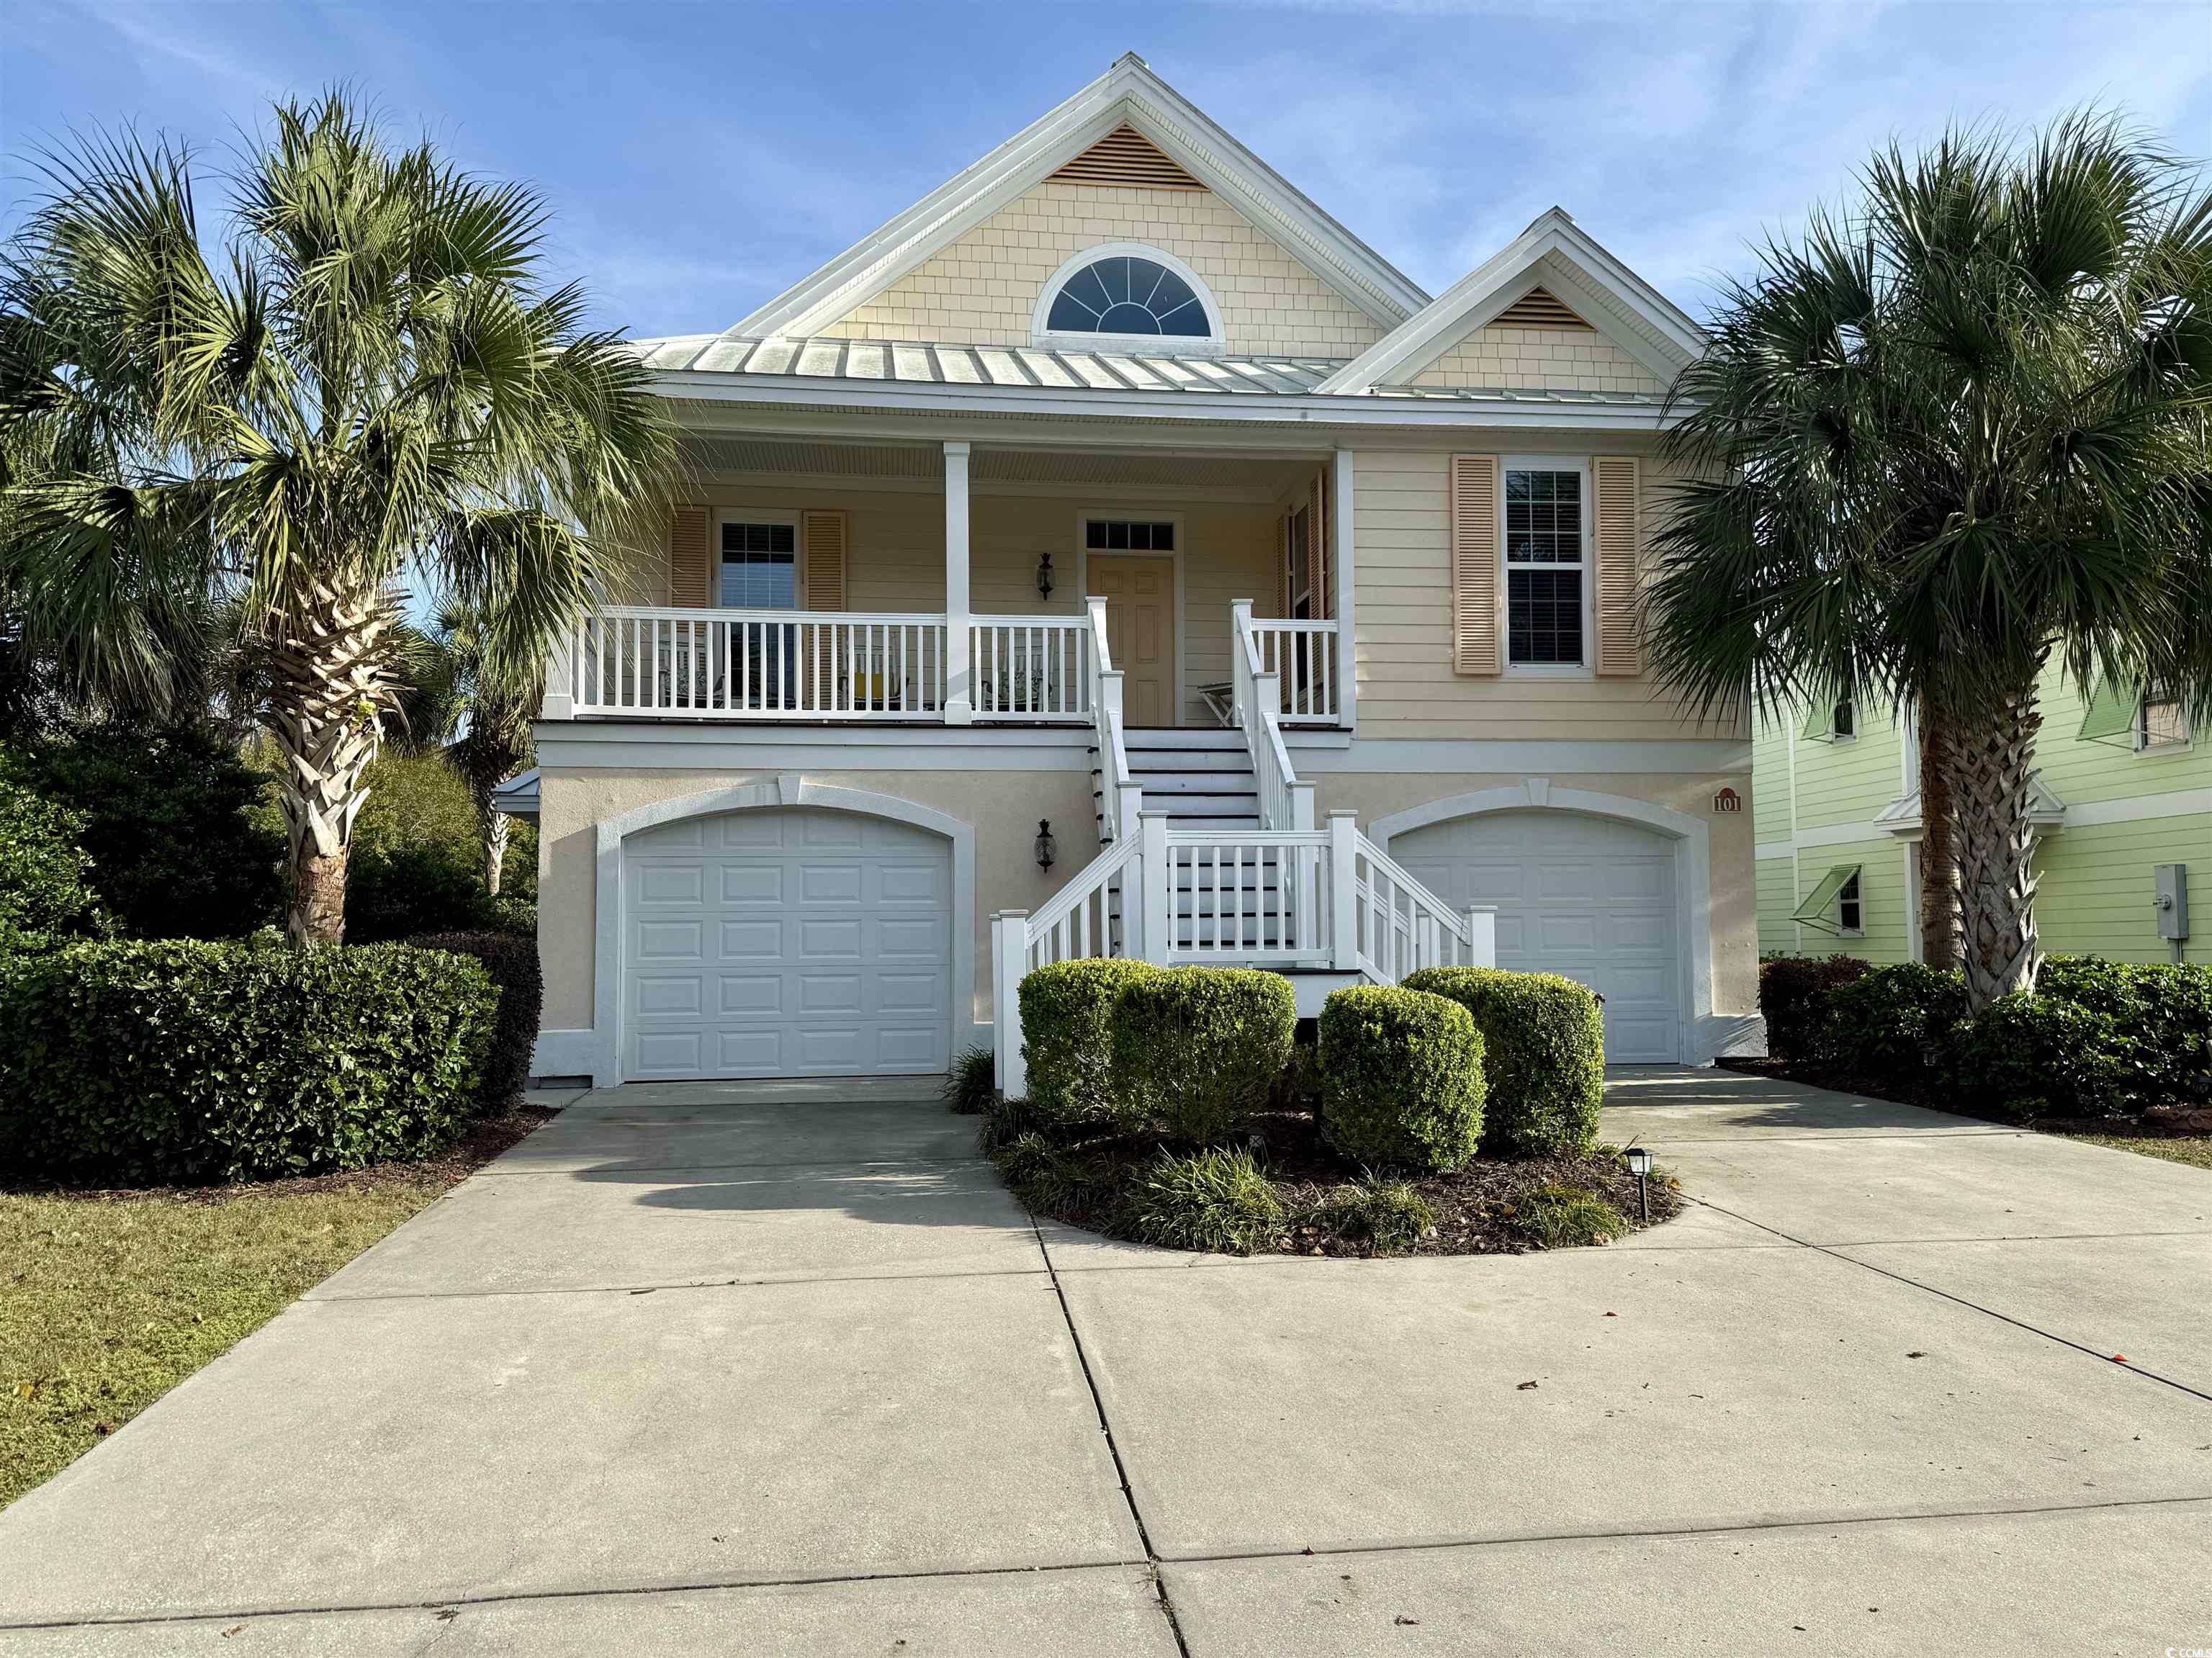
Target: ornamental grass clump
pixel 1216 1201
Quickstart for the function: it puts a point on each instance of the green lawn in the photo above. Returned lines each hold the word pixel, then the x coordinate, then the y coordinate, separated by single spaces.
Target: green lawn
pixel 2194 1150
pixel 108 1300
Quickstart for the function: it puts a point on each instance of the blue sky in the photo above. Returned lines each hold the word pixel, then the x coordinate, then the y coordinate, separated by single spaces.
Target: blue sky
pixel 701 156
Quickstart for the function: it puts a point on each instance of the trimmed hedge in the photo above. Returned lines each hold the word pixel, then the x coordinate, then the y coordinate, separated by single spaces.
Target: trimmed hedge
pixel 2037 1056
pixel 1543 1056
pixel 512 962
pixel 46 895
pixel 1067 1036
pixel 1198 1049
pixel 1898 1021
pixel 2162 1017
pixel 194 1062
pixel 1401 1083
pixel 1793 996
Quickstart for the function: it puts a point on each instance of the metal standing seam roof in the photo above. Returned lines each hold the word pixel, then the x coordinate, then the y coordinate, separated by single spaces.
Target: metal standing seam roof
pixel 1023 367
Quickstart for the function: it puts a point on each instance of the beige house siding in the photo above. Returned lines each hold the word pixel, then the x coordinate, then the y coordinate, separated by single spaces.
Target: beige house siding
pixel 895 558
pixel 1407 689
pixel 1538 359
pixel 982 289
pixel 1003 806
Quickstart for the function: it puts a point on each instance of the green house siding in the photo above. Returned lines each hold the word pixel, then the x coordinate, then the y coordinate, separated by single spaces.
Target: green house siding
pixel 2081 771
pixel 1840 783
pixel 1883 900
pixel 2095 887
pixel 1777 896
pixel 1770 793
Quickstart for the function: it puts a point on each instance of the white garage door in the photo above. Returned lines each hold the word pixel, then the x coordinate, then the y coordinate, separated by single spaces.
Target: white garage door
pixel 1592 898
pixel 788 943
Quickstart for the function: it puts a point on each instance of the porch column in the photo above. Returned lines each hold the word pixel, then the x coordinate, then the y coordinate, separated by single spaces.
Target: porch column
pixel 1340 601
pixel 959 656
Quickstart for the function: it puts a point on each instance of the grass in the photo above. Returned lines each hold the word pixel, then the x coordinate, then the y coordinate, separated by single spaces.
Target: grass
pixel 972 1085
pixel 1217 1200
pixel 1566 1217
pixel 109 1299
pixel 1387 1214
pixel 2194 1150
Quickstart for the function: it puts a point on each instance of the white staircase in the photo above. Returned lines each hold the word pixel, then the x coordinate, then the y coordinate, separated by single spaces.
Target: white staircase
pixel 1213 858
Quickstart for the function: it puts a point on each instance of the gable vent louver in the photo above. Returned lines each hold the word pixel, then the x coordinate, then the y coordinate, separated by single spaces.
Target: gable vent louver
pixel 1538 309
pixel 1127 158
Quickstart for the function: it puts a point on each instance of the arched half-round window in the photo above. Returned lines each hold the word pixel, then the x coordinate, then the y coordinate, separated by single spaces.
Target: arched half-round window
pixel 1129 295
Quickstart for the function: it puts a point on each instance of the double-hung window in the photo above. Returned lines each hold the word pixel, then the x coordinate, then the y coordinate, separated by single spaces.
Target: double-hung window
pixel 2161 720
pixel 1546 567
pixel 760 566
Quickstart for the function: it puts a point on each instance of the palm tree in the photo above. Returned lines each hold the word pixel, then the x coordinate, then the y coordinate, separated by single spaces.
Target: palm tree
pixel 1955 432
pixel 476 710
pixel 371 378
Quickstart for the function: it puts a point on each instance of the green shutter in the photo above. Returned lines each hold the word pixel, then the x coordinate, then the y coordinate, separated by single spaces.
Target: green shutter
pixel 2110 714
pixel 1819 721
pixel 1815 910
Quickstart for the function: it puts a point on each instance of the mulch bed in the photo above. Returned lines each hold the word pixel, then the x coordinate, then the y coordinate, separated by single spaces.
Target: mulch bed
pixel 484 1139
pixel 2160 1122
pixel 1479 1208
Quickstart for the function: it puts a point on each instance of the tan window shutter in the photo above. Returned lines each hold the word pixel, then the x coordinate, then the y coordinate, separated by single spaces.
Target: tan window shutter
pixel 1283 565
pixel 1474 562
pixel 1613 481
pixel 1320 550
pixel 688 559
pixel 825 536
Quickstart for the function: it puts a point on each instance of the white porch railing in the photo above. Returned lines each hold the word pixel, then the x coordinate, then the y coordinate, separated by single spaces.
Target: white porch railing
pixel 1304 656
pixel 1254 699
pixel 1119 798
pixel 753 665
pixel 1032 667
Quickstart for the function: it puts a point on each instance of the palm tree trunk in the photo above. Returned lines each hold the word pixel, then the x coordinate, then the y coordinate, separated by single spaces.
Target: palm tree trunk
pixel 1995 747
pixel 496 826
pixel 1939 855
pixel 333 681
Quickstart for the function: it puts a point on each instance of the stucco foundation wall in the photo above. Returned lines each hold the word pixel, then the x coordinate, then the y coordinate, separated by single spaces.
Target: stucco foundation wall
pixel 1734 913
pixel 1002 806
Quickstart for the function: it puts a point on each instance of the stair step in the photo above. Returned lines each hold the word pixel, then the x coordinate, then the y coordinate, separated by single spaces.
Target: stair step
pixel 1217 736
pixel 1197 782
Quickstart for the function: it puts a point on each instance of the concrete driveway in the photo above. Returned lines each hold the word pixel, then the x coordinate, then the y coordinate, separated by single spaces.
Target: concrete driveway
pixel 737 1368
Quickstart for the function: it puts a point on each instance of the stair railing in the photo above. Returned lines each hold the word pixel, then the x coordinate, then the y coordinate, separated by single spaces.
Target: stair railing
pixel 1120 800
pixel 1256 699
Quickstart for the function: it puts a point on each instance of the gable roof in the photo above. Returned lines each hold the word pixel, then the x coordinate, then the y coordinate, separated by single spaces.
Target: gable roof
pixel 1552 253
pixel 1128 96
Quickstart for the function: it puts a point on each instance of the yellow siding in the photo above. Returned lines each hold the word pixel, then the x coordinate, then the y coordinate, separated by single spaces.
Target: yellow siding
pixel 2093 887
pixel 1884 899
pixel 982 289
pixel 1538 359
pixel 1777 896
pixel 1402 532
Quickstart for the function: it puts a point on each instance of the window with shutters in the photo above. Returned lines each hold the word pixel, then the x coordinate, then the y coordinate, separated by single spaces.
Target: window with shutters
pixel 760 565
pixel 1547 566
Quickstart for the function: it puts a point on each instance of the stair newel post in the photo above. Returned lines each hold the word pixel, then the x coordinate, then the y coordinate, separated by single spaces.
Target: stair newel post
pixel 1009 949
pixel 1482 935
pixel 1240 662
pixel 1156 876
pixel 1343 890
pixel 1304 871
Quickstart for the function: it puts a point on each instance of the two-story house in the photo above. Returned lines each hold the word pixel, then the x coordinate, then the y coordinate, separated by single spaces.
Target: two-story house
pixel 2123 800
pixel 1113 554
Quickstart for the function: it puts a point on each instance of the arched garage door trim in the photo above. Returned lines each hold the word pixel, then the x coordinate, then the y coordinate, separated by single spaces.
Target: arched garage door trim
pixel 788 790
pixel 1693 891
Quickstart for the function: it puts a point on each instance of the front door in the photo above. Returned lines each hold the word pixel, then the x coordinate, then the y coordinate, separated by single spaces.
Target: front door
pixel 1140 595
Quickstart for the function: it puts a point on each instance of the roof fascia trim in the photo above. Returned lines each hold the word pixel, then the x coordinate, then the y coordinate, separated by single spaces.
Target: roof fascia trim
pixel 1129 92
pixel 1661 336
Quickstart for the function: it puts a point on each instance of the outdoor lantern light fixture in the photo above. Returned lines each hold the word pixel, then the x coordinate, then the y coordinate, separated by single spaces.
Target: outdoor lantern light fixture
pixel 1044 576
pixel 1640 1164
pixel 1045 849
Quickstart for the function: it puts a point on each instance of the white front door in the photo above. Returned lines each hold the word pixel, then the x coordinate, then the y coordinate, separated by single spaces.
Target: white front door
pixel 785 942
pixel 1589 898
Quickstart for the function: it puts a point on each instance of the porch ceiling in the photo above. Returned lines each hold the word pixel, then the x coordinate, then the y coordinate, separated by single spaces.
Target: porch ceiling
pixel 925 463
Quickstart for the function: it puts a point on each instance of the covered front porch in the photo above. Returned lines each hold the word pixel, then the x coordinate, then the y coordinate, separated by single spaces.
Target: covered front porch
pixel 961 583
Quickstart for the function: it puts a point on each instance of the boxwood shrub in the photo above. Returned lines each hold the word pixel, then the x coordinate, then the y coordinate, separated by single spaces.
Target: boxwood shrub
pixel 2041 1056
pixel 1898 1023
pixel 1401 1084
pixel 1198 1049
pixel 1793 996
pixel 190 1061
pixel 1067 1036
pixel 2162 1017
pixel 512 962
pixel 1543 1057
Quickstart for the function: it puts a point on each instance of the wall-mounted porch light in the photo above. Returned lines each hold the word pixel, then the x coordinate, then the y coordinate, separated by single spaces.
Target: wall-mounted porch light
pixel 1640 1164
pixel 1046 848
pixel 1044 576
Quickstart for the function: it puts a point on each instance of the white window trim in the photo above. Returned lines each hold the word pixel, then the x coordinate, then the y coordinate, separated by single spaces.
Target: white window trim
pixel 764 515
pixel 1839 739
pixel 1151 345
pixel 2139 732
pixel 1587 668
pixel 1856 888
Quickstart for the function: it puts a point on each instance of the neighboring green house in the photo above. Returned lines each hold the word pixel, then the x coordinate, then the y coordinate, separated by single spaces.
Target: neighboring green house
pixel 2123 791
